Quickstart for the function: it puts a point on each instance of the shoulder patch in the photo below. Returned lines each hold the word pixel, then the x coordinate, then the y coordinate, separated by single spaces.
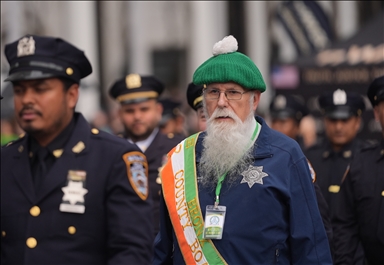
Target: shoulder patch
pixel 137 172
pixel 312 171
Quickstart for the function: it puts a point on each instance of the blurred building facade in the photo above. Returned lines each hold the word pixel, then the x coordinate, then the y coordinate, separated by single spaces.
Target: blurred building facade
pixel 171 38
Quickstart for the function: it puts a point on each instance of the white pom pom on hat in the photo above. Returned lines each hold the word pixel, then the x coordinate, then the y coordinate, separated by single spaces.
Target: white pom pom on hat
pixel 229 65
pixel 227 45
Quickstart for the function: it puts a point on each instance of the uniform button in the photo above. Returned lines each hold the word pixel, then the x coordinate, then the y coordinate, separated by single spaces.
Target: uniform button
pixel 95 131
pixel 71 230
pixel 382 193
pixel 158 180
pixel 3 233
pixel 31 242
pixel 35 211
pixel 334 188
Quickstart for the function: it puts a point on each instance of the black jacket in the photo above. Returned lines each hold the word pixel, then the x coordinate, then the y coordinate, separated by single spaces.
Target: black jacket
pixel 116 226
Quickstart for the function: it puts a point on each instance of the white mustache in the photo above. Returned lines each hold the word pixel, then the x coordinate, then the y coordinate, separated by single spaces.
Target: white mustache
pixel 222 113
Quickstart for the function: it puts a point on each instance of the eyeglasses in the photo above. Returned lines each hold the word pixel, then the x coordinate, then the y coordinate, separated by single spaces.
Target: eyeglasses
pixel 212 93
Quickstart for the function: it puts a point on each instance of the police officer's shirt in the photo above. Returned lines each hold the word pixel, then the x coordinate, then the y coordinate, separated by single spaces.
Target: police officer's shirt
pixel 143 145
pixel 54 148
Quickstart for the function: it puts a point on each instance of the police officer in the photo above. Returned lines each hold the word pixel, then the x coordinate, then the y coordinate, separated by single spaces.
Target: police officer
pixel 70 194
pixel 286 113
pixel 195 101
pixel 172 121
pixel 361 207
pixel 330 156
pixel 140 113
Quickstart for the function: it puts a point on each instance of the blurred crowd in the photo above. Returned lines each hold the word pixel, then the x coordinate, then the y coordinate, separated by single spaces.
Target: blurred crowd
pixel 176 118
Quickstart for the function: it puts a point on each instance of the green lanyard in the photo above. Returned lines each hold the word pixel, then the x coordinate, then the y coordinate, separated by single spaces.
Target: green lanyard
pixel 221 179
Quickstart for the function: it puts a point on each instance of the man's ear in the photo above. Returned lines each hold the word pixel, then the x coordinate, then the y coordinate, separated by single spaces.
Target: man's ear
pixel 159 108
pixel 376 113
pixel 256 99
pixel 73 95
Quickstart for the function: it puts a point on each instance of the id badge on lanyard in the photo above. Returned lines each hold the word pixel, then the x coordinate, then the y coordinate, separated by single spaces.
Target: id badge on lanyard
pixel 214 221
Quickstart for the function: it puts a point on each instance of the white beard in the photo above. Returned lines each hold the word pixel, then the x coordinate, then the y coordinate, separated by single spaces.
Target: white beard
pixel 227 148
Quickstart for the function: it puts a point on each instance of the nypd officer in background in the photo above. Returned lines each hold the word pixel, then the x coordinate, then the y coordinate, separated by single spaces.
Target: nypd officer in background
pixel 140 113
pixel 361 207
pixel 330 156
pixel 70 194
pixel 172 121
pixel 286 113
pixel 195 101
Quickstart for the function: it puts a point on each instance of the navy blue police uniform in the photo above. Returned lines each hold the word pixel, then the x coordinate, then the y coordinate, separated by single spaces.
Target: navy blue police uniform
pixel 290 106
pixel 92 205
pixel 135 89
pixel 328 164
pixel 360 215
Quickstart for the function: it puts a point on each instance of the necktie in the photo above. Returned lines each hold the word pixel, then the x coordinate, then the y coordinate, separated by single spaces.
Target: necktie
pixel 41 167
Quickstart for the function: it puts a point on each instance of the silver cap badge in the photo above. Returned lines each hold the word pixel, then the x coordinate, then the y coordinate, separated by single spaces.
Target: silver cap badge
pixel 280 102
pixel 26 46
pixel 339 97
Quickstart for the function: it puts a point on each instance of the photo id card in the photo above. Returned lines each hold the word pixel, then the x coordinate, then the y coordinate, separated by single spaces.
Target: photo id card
pixel 214 222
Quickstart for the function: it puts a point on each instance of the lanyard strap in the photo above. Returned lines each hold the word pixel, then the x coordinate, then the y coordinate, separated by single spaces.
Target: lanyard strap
pixel 221 179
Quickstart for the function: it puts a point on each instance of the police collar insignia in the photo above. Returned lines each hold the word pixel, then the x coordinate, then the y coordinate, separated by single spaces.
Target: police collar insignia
pixel 253 175
pixel 26 46
pixel 339 97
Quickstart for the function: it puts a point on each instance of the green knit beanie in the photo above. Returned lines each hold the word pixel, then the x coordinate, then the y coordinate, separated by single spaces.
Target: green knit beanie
pixel 228 65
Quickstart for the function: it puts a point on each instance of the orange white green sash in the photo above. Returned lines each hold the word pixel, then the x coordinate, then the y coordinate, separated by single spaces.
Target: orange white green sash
pixel 180 192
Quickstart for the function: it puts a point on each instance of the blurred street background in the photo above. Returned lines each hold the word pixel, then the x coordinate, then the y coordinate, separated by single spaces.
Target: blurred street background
pixel 301 47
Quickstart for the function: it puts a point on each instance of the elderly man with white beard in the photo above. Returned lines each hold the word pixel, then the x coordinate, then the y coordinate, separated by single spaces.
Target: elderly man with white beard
pixel 239 192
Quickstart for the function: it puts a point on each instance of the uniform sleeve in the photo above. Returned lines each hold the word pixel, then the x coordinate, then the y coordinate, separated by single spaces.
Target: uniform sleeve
pixel 324 212
pixel 345 224
pixel 309 242
pixel 164 239
pixel 129 214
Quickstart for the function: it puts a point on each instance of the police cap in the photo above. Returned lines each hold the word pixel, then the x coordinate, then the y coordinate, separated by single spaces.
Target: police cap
pixel 287 106
pixel 194 96
pixel 38 57
pixel 375 91
pixel 171 109
pixel 134 88
pixel 340 104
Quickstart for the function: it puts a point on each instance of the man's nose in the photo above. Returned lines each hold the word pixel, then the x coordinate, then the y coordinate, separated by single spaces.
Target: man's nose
pixel 28 96
pixel 222 101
